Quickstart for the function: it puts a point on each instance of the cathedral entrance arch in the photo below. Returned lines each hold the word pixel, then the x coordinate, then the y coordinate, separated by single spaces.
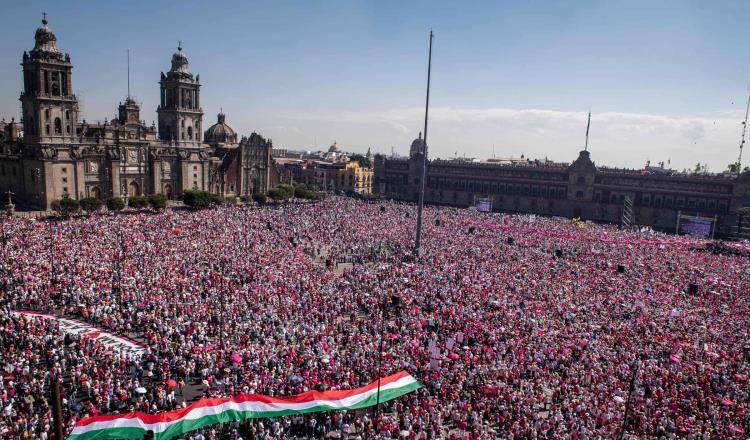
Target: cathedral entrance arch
pixel 96 192
pixel 134 189
pixel 168 191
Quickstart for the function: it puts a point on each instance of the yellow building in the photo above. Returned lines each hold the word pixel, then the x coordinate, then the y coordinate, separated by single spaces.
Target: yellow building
pixel 355 178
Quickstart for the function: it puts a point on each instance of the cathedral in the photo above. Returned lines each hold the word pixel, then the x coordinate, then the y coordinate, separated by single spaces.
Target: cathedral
pixel 52 153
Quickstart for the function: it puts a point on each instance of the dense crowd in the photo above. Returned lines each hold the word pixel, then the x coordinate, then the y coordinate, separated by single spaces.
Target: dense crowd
pixel 557 333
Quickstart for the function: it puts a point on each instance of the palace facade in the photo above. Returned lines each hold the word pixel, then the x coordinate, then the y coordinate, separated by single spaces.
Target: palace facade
pixel 52 153
pixel 581 189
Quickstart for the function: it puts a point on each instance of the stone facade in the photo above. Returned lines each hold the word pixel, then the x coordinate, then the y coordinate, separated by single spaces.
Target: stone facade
pixel 52 153
pixel 580 189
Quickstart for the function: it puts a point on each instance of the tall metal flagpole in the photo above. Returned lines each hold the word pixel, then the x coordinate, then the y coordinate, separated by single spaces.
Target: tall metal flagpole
pixel 588 125
pixel 420 207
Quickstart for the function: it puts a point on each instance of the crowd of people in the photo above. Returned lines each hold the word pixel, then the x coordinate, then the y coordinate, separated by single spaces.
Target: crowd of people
pixel 518 326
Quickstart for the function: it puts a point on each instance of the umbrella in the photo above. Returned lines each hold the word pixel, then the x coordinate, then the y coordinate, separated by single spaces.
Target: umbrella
pixel 171 383
pixel 236 358
pixel 140 390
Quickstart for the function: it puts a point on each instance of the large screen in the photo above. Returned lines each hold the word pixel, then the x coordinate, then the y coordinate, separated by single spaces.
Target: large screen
pixel 696 226
pixel 484 205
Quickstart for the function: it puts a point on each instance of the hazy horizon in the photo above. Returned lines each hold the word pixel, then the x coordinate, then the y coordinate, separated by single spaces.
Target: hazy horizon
pixel 664 82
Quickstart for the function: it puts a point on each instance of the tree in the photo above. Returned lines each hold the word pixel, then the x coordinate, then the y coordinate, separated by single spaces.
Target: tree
pixel 65 206
pixel 157 201
pixel 115 204
pixel 276 194
pixel 199 199
pixel 137 202
pixel 301 192
pixel 260 198
pixel 90 204
pixel 286 189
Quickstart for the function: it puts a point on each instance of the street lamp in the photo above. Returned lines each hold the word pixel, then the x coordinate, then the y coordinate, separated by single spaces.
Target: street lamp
pixel 51 255
pixel 385 306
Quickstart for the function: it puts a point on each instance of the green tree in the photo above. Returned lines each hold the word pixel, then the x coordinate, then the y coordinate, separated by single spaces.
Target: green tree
pixel 137 202
pixel 115 204
pixel 286 189
pixel 157 201
pixel 260 198
pixel 65 206
pixel 91 204
pixel 301 192
pixel 199 199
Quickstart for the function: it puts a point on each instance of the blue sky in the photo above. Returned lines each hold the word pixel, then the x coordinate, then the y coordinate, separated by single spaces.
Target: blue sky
pixel 665 80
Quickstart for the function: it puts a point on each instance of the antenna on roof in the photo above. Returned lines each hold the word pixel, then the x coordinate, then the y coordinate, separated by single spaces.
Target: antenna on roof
pixel 742 141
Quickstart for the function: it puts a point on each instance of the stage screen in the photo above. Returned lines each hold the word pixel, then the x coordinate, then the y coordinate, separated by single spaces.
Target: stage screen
pixel 484 205
pixel 696 226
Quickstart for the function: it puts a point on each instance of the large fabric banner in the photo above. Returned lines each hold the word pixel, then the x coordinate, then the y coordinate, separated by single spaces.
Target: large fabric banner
pixel 167 425
pixel 121 344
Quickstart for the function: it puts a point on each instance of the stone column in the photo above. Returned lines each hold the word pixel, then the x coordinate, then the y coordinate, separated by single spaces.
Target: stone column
pixel 115 173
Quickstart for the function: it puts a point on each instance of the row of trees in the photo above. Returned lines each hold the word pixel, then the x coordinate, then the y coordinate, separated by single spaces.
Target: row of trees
pixel 67 206
pixel 203 199
pixel 193 198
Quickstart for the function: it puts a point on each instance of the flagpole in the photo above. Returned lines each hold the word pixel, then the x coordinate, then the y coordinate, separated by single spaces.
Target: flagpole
pixel 420 207
pixel 588 125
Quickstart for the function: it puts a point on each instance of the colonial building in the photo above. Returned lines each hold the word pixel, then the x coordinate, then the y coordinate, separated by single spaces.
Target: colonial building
pixel 53 153
pixel 331 171
pixel 581 189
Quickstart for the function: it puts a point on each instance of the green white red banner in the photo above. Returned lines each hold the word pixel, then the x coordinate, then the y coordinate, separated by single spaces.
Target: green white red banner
pixel 167 425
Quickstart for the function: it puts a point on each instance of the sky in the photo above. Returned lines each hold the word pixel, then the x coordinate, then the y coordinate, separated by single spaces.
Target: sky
pixel 664 81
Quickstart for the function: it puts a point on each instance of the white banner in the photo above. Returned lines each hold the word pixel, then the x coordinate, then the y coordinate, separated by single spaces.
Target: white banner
pixel 118 343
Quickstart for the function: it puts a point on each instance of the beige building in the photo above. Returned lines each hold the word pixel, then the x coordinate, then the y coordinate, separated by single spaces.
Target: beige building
pixel 53 153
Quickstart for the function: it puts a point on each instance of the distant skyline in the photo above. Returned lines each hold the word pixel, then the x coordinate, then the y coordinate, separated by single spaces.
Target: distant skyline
pixel 664 80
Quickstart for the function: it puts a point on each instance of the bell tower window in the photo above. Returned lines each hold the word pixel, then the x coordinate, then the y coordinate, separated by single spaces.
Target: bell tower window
pixel 58 126
pixel 55 83
pixel 190 133
pixel 46 115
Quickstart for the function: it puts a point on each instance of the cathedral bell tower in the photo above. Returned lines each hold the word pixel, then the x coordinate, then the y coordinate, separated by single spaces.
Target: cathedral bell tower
pixel 180 114
pixel 50 109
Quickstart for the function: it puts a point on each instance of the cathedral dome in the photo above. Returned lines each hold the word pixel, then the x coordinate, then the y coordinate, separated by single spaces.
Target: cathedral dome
pixel 180 61
pixel 220 133
pixel 334 148
pixel 46 41
pixel 417 147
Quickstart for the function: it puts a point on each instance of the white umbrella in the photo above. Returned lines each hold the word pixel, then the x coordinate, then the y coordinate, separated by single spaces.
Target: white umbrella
pixel 140 390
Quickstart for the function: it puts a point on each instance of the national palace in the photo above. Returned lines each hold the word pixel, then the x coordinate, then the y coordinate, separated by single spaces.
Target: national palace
pixel 653 197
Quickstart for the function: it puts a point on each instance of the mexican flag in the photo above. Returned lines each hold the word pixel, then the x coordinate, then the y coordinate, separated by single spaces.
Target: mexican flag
pixel 204 412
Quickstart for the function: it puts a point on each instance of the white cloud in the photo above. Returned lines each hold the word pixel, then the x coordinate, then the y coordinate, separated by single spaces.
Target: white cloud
pixel 616 139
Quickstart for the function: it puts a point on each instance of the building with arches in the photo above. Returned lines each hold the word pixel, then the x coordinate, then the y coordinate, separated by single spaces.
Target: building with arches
pixel 54 153
pixel 655 197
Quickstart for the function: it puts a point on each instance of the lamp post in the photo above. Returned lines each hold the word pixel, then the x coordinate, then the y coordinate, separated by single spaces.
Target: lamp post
pixel 633 379
pixel 51 255
pixel 384 308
